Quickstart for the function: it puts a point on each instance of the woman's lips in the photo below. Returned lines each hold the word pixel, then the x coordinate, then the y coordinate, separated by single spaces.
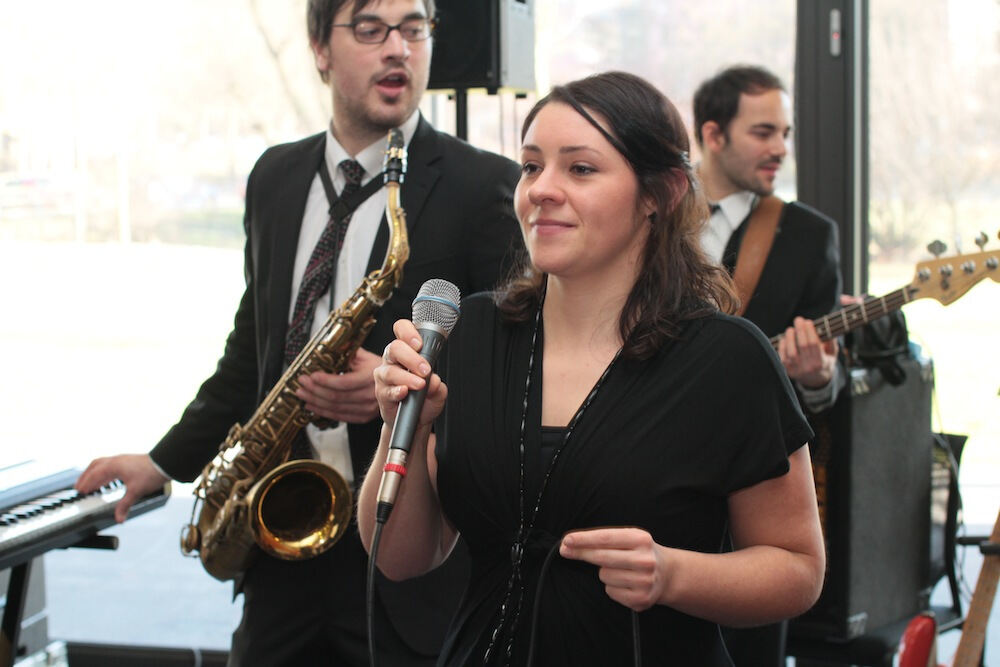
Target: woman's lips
pixel 548 227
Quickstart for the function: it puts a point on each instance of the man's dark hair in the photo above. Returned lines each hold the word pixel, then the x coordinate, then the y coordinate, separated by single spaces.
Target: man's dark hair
pixel 320 13
pixel 718 98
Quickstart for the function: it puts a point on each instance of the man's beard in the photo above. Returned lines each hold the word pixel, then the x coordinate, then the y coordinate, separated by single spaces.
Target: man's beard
pixel 371 121
pixel 758 186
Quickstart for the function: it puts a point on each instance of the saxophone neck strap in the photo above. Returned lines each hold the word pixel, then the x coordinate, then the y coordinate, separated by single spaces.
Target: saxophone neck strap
pixel 342 207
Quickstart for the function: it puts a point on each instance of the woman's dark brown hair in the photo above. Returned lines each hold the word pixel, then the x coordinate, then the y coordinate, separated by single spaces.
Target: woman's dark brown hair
pixel 676 282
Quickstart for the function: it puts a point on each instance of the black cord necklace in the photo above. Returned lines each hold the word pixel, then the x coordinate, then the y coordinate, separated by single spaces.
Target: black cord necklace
pixel 524 528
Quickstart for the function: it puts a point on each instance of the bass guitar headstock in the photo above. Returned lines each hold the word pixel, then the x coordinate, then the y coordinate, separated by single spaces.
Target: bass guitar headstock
pixel 948 278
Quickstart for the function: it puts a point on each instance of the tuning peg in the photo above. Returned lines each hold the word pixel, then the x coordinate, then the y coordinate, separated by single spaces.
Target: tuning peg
pixel 936 248
pixel 981 240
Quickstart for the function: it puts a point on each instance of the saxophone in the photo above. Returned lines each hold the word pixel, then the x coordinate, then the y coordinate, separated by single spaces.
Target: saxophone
pixel 250 493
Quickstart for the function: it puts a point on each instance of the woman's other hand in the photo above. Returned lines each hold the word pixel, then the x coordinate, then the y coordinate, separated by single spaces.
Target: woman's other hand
pixel 631 565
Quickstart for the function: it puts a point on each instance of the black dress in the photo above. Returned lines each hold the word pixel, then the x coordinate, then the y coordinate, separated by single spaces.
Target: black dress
pixel 662 445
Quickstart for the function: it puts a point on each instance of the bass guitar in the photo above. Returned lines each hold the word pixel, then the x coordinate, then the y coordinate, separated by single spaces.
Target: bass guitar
pixel 945 279
pixel 918 647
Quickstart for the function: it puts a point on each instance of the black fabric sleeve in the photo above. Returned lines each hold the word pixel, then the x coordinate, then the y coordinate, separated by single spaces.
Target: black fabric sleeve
pixel 475 327
pixel 762 423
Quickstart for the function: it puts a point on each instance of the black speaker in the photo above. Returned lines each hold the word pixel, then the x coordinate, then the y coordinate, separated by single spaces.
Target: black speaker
pixel 872 458
pixel 484 44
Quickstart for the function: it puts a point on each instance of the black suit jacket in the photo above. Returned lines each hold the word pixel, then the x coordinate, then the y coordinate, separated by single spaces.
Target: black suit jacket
pixel 459 214
pixel 801 276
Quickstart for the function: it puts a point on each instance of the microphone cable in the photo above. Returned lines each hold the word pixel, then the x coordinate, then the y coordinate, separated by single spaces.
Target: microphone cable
pixel 370 592
pixel 536 605
pixel 636 640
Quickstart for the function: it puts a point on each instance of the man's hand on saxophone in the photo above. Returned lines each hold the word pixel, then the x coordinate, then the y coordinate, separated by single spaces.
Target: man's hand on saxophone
pixel 345 397
pixel 137 471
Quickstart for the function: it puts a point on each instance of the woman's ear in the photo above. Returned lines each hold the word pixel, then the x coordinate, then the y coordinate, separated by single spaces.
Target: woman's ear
pixel 648 208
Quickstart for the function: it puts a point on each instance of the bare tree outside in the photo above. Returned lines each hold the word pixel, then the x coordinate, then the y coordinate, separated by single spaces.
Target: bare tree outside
pixel 935 142
pixel 154 127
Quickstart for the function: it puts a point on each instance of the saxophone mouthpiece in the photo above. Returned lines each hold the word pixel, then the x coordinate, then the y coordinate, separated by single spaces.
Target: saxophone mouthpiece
pixel 394 165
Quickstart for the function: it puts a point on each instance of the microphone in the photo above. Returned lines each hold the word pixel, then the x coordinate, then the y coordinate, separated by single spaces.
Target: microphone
pixel 435 312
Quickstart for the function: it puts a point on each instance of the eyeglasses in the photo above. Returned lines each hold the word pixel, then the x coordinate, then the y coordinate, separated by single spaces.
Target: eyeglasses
pixel 374 31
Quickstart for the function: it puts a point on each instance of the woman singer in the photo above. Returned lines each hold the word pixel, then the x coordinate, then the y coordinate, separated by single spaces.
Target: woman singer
pixel 606 423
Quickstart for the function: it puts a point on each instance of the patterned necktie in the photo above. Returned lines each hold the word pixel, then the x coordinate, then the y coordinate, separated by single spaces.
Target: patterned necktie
pixel 316 281
pixel 318 276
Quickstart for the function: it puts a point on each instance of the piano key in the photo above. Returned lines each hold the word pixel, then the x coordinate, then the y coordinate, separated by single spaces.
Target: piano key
pixel 33 521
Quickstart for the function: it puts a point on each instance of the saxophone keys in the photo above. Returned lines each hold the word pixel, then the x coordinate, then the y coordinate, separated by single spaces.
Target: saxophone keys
pixel 190 539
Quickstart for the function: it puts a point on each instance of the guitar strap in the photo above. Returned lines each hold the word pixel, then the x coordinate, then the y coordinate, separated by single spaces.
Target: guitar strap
pixel 756 246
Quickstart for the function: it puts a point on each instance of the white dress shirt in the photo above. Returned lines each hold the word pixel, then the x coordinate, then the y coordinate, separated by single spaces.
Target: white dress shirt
pixel 331 445
pixel 724 220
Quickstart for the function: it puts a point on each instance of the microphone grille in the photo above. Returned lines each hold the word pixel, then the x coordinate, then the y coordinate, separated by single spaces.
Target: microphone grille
pixel 437 303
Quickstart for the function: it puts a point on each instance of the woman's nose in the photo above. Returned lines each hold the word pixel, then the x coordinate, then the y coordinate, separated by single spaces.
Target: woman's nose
pixel 545 187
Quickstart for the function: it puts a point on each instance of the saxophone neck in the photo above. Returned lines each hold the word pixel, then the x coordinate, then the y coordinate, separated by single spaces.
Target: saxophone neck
pixel 399 246
pixel 381 282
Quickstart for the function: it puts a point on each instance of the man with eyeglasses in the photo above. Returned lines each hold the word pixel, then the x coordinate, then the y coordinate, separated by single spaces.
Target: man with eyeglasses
pixel 375 56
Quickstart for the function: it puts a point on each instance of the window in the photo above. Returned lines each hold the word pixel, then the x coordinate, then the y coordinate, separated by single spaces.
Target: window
pixel 935 153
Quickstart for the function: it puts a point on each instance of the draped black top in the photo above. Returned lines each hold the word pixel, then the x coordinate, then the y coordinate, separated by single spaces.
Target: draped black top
pixel 662 445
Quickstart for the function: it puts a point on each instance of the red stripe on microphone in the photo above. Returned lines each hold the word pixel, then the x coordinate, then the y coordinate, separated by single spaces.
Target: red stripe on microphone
pixel 396 468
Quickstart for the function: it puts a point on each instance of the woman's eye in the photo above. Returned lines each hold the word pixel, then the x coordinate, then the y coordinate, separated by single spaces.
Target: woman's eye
pixel 529 168
pixel 582 169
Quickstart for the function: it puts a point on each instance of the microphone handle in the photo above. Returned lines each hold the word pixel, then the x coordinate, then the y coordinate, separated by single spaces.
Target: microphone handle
pixel 405 426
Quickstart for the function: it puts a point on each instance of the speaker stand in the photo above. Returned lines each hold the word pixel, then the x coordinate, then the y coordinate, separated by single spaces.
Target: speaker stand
pixel 462 113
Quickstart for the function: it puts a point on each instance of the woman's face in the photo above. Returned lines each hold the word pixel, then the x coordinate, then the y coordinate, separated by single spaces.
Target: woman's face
pixel 578 199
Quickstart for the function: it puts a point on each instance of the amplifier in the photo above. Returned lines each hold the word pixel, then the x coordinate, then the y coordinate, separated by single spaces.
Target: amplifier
pixel 872 458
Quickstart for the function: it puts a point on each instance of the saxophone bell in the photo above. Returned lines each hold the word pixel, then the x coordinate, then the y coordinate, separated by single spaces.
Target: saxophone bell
pixel 299 509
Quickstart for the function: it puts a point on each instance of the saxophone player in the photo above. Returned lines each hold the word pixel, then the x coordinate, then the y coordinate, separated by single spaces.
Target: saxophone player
pixel 300 262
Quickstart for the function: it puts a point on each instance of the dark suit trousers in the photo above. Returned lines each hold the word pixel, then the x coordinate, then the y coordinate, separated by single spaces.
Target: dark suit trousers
pixel 312 612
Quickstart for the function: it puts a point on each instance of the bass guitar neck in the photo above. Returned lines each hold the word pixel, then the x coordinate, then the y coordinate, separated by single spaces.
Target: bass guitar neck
pixel 943 279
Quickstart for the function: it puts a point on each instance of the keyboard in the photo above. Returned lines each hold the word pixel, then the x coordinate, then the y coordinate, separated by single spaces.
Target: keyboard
pixel 40 510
